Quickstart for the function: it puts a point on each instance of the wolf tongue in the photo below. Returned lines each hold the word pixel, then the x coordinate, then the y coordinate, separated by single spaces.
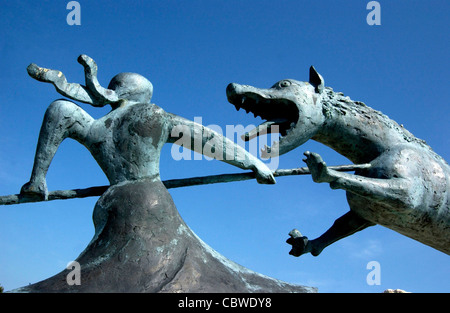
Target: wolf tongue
pixel 262 129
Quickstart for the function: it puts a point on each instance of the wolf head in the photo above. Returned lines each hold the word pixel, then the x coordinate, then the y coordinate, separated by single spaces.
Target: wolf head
pixel 290 107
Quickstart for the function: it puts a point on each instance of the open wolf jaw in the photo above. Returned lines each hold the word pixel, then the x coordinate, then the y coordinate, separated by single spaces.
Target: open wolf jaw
pixel 278 106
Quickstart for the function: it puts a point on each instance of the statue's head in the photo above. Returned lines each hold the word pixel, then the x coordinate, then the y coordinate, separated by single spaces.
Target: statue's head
pixel 132 87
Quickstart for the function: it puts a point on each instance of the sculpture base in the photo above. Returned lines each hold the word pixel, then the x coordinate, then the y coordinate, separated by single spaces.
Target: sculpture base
pixel 141 244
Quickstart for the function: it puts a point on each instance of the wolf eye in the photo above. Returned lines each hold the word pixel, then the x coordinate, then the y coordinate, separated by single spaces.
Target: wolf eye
pixel 285 83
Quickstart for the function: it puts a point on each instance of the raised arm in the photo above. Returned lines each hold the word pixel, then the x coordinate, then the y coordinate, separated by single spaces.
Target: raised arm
pixel 92 93
pixel 201 139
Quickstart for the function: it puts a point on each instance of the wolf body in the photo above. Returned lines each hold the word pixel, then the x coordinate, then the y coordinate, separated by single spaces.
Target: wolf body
pixel 406 187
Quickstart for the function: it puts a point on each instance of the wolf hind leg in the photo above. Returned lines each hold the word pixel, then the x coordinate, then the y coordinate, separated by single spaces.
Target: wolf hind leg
pixel 346 225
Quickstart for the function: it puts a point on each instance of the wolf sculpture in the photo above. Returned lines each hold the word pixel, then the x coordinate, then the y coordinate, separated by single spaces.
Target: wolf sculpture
pixel 406 188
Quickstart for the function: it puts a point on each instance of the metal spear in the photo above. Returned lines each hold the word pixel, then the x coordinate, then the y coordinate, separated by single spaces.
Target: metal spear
pixel 172 183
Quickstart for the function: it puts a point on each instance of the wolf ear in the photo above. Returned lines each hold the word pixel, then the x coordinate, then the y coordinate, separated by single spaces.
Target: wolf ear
pixel 316 80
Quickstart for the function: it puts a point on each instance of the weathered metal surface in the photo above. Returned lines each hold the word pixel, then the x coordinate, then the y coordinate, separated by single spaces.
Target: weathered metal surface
pixel 171 183
pixel 141 243
pixel 406 188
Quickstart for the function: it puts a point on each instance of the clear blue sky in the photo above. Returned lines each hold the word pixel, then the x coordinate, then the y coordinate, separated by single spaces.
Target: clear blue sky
pixel 190 51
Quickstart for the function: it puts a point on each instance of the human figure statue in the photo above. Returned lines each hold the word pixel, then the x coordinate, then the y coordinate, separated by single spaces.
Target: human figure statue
pixel 123 153
pixel 141 244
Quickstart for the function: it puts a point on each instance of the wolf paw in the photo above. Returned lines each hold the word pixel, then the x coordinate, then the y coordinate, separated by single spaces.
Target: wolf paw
pixel 318 168
pixel 298 242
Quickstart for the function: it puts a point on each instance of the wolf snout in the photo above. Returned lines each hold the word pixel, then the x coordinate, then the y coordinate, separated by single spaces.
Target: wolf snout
pixel 231 89
pixel 232 92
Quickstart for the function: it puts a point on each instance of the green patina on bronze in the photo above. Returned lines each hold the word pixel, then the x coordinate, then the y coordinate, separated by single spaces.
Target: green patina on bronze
pixel 406 186
pixel 141 244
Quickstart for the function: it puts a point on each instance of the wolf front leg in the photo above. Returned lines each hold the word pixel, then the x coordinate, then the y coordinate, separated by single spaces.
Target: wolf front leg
pixel 394 192
pixel 61 120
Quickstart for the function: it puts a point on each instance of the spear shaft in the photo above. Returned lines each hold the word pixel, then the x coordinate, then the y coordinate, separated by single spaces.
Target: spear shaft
pixel 172 183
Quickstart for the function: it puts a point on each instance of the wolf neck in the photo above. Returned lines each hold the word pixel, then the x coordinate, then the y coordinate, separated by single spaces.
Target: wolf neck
pixel 355 130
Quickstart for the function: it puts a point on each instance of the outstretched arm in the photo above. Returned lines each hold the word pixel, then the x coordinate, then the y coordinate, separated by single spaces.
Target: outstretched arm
pixel 92 93
pixel 201 139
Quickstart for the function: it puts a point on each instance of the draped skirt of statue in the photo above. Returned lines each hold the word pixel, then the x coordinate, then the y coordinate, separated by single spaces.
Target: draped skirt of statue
pixel 141 244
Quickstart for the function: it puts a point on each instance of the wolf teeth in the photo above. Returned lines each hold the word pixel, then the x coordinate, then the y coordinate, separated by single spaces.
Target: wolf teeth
pixel 243 99
pixel 265 152
pixel 270 152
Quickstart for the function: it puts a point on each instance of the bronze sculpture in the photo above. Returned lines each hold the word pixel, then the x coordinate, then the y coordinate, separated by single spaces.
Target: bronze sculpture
pixel 141 244
pixel 406 187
